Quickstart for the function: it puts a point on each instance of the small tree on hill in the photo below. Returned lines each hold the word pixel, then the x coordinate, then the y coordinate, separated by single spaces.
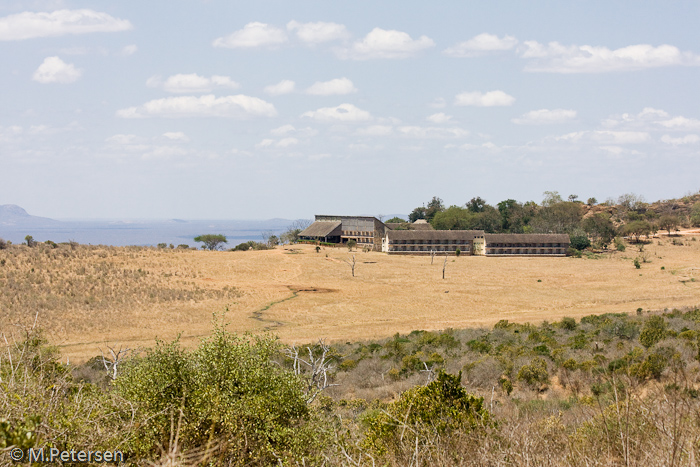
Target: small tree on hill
pixel 211 241
pixel 668 223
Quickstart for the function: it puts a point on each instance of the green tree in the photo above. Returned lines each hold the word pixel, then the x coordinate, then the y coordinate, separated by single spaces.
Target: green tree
pixel 211 241
pixel 395 220
pixel 551 198
pixel 453 218
pixel 562 217
pixel 30 241
pixel 668 222
pixel 434 206
pixel 636 229
pixel 600 227
pixel 476 205
pixel 579 240
pixel 351 244
pixel 695 215
pixel 417 213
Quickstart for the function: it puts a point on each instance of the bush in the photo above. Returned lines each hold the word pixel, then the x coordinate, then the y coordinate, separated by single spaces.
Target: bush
pixel 535 373
pixel 183 246
pixel 653 331
pixel 242 247
pixel 568 323
pixel 620 244
pixel 442 407
pixel 3 244
pixel 229 389
pixel 579 241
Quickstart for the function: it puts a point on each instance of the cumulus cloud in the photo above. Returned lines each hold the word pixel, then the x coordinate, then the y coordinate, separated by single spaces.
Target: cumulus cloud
pixel 341 113
pixel 129 50
pixel 376 130
pixel 55 70
pixel 687 139
pixel 607 136
pixel 29 25
pixel 382 43
pixel 188 83
pixel 176 136
pixel 253 35
pixel 489 99
pixel 283 87
pixel 121 139
pixel 545 117
pixel 439 118
pixel 288 129
pixel 481 44
pixel 557 58
pixel 681 123
pixel 319 32
pixel 337 86
pixel 238 106
pixel 421 132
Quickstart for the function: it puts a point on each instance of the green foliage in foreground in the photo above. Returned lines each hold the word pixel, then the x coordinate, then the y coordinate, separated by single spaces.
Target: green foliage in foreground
pixel 227 390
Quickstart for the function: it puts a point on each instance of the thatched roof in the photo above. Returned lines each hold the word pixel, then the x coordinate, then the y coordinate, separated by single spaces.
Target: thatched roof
pixel 526 238
pixel 464 235
pixel 321 229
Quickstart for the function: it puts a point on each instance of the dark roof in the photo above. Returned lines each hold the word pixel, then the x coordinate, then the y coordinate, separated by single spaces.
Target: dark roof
pixel 321 229
pixel 434 234
pixel 408 226
pixel 527 238
pixel 328 217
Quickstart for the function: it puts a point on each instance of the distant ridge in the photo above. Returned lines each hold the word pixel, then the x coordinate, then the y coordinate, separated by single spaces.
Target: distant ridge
pixel 13 215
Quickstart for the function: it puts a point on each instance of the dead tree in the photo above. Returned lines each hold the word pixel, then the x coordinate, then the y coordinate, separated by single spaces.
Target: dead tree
pixel 444 265
pixel 315 369
pixel 432 256
pixel 352 265
pixel 117 358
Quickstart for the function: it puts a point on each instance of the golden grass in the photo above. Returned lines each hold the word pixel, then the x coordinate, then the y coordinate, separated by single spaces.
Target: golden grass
pixel 95 295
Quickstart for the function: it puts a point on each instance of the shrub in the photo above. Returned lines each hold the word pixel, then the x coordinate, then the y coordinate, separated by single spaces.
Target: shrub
pixel 636 263
pixel 242 247
pixel 653 331
pixel 30 241
pixel 162 246
pixel 442 407
pixel 458 252
pixel 652 367
pixel 568 323
pixel 228 388
pixel 3 244
pixel 535 373
pixel 351 244
pixel 183 246
pixel 620 244
pixel 579 241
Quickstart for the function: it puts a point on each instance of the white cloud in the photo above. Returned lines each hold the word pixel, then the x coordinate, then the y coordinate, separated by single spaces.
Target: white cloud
pixel 238 106
pixel 382 43
pixel 176 136
pixel 432 132
pixel 28 25
pixel 438 103
pixel 253 35
pixel 286 142
pixel 337 86
pixel 164 152
pixel 121 139
pixel 489 99
pixel 291 130
pixel 376 130
pixel 265 143
pixel 481 44
pixel 607 136
pixel 283 87
pixel 545 117
pixel 129 50
pixel 341 113
pixel 316 33
pixel 558 58
pixel 681 123
pixel 687 139
pixel 189 83
pixel 55 70
pixel 439 118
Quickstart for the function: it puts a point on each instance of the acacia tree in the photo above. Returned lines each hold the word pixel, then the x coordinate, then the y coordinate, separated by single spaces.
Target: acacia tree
pixel 668 223
pixel 211 241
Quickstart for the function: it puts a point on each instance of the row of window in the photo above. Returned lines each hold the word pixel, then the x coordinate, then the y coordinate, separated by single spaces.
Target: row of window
pixel 358 233
pixel 524 245
pixel 526 251
pixel 464 248
pixel 428 242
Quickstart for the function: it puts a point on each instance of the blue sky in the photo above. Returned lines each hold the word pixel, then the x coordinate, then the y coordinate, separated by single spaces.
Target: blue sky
pixel 252 110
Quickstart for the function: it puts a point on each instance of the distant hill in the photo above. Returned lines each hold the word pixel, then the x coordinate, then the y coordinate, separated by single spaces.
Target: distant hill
pixel 13 215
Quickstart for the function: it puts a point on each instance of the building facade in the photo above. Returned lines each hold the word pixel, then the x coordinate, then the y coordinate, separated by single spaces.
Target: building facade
pixel 420 238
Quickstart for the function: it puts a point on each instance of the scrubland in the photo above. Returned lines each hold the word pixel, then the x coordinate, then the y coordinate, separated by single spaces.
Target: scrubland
pixel 92 295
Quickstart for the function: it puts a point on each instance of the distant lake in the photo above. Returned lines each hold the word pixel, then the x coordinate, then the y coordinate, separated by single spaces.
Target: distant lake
pixel 145 232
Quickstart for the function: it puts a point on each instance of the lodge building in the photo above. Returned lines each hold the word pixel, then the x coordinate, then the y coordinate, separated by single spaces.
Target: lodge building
pixel 419 238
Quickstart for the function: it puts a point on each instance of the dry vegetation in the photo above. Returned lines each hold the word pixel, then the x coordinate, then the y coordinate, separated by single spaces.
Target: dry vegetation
pixel 92 295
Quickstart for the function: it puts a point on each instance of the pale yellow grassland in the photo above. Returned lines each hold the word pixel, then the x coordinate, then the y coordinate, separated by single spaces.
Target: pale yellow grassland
pixel 302 295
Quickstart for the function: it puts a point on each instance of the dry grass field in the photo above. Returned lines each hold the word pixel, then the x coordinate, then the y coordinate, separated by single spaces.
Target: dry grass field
pixel 91 297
